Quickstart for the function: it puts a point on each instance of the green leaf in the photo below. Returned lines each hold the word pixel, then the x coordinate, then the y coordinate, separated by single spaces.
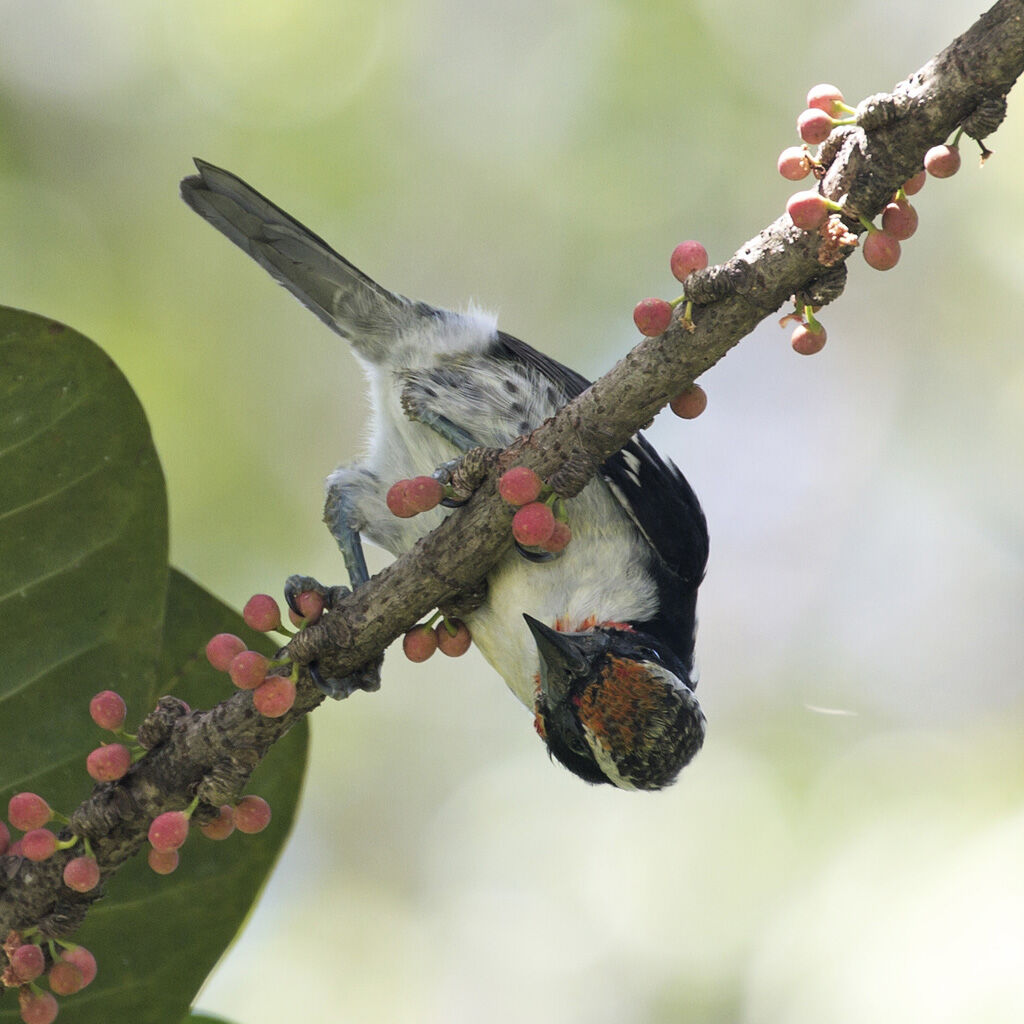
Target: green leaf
pixel 90 604
pixel 204 1018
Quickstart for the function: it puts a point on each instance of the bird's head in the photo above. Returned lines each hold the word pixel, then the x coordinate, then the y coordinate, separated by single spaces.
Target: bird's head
pixel 614 705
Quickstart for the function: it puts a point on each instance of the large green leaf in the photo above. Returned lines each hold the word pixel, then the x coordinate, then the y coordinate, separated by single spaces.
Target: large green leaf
pixel 89 604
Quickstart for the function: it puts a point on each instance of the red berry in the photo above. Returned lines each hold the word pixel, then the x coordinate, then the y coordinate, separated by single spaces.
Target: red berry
pixel 168 831
pixel 38 844
pixel 652 316
pixel 37 1007
pixel 519 485
pixel 163 862
pixel 83 960
pixel 794 164
pixel 814 126
pixel 82 874
pixel 222 648
pixel 222 826
pixel 424 493
pixel 942 161
pixel 419 643
pixel 881 251
pixel 826 97
pixel 5 838
pixel 807 210
pixel 559 539
pixel 248 669
pixel 252 814
pixel 689 404
pixel 26 811
pixel 454 645
pixel 109 762
pixel 533 524
pixel 108 710
pixel 686 258
pixel 311 607
pixel 399 501
pixel 262 613
pixel 27 963
pixel 914 185
pixel 806 341
pixel 274 697
pixel 899 220
pixel 65 978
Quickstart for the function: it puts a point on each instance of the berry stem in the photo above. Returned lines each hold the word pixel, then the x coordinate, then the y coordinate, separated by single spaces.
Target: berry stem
pixel 812 321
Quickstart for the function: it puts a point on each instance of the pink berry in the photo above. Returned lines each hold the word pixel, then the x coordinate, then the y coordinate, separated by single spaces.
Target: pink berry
pixel 274 697
pixel 262 613
pixel 807 210
pixel 26 811
pixel 163 862
pixel 399 501
pixel 222 648
pixel 689 404
pixel 533 524
pixel 82 874
pixel 248 669
pixel 826 97
pixel 83 960
pixel 108 710
pixel 942 161
pixel 519 485
pixel 559 539
pixel 454 645
pixel 311 607
pixel 37 1007
pixel 686 258
pixel 881 251
pixel 65 978
pixel 794 164
pixel 806 341
pixel 814 126
pixel 168 831
pixel 109 762
pixel 419 643
pixel 425 493
pixel 252 814
pixel 38 844
pixel 899 220
pixel 652 316
pixel 5 838
pixel 27 963
pixel 222 826
pixel 914 185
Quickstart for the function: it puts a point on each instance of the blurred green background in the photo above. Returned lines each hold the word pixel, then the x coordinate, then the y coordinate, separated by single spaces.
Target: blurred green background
pixel 848 846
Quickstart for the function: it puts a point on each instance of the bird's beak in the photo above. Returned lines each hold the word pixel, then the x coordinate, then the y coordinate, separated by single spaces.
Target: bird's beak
pixel 562 656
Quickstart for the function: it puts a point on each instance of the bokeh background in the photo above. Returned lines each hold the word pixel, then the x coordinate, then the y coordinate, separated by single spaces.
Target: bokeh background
pixel 848 846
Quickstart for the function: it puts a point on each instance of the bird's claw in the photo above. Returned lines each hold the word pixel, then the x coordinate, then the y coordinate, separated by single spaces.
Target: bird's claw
pixel 367 678
pixel 296 585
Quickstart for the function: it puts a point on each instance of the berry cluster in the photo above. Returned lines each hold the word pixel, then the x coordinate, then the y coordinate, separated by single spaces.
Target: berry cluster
pixel 68 968
pixel 541 522
pixel 439 633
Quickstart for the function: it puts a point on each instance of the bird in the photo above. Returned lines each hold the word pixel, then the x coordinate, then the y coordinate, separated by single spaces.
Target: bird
pixel 599 642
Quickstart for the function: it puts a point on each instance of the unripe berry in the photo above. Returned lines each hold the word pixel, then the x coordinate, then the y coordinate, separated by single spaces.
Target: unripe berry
pixel 222 648
pixel 807 210
pixel 419 643
pixel 942 161
pixel 82 874
pixel 689 404
pixel 83 960
pixel 163 862
pixel 27 962
pixel 108 710
pixel 881 251
pixel 914 185
pixel 65 978
pixel 222 826
pixel 252 814
pixel 686 258
pixel 26 811
pixel 559 539
pixel 533 524
pixel 899 220
pixel 454 645
pixel 814 126
pixel 519 485
pixel 825 97
pixel 109 762
pixel 424 493
pixel 652 316
pixel 794 164
pixel 311 607
pixel 168 831
pixel 274 697
pixel 248 669
pixel 37 1007
pixel 806 341
pixel 262 613
pixel 399 501
pixel 38 844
